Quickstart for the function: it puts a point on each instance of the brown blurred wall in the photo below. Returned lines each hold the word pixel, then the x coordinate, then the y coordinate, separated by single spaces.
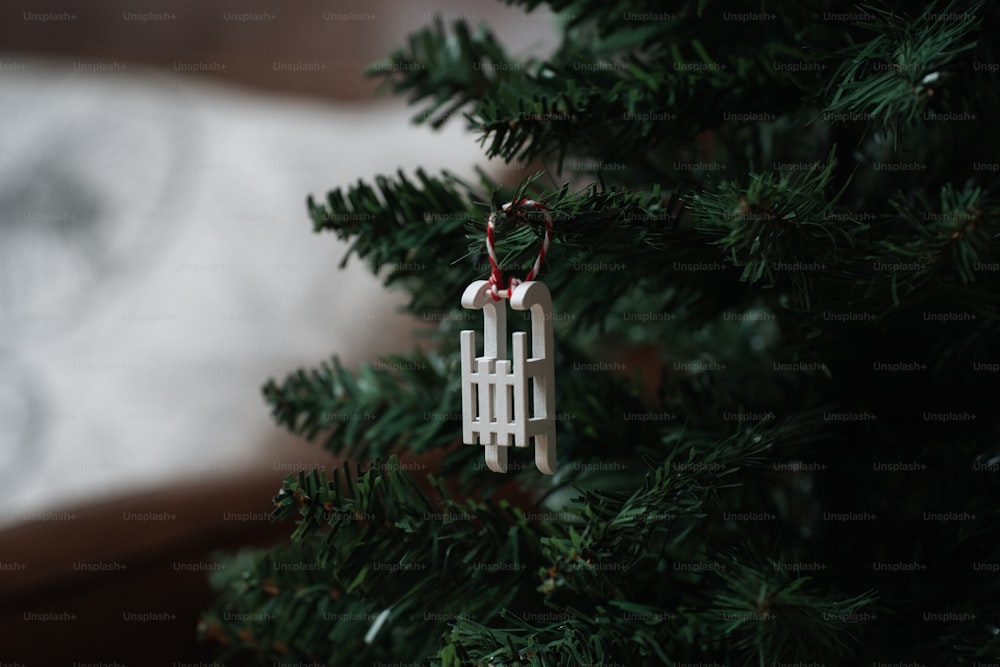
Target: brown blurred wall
pixel 258 43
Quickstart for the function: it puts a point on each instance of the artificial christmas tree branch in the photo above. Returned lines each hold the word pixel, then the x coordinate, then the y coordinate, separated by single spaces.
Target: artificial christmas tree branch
pixel 381 407
pixel 585 557
pixel 889 78
pixel 426 574
pixel 567 110
pixel 769 228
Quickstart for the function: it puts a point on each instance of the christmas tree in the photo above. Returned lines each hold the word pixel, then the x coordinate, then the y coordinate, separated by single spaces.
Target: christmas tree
pixel 774 275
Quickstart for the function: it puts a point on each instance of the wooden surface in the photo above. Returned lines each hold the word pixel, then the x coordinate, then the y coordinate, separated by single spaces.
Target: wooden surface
pixel 144 549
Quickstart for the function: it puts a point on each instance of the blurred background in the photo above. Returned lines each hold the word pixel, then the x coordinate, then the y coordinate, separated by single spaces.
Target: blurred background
pixel 156 260
pixel 157 265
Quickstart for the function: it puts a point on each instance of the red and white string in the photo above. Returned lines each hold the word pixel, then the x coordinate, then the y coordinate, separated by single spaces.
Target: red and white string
pixel 496 278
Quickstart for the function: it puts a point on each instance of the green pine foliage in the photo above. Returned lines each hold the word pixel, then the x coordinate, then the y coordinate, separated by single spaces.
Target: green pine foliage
pixel 775 281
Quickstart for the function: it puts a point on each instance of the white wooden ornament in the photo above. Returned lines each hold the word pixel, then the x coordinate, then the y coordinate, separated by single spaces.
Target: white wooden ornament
pixel 495 410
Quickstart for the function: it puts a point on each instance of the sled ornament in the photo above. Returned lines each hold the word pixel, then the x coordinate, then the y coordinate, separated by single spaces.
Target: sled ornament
pixel 509 402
